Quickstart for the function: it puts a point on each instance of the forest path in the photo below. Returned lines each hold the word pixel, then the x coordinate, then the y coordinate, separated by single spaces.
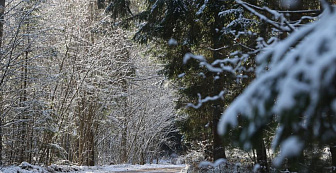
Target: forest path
pixel 156 170
pixel 137 169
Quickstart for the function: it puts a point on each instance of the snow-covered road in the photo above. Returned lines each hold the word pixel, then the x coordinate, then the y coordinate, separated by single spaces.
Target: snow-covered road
pixel 125 168
pixel 150 168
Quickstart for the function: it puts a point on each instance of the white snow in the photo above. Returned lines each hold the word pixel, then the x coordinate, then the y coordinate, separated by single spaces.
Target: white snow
pixel 172 42
pixel 24 167
pixel 256 168
pixel 181 75
pixel 191 56
pixel 282 23
pixel 28 168
pixel 200 11
pixel 205 164
pixel 206 99
pixel 126 167
pixel 225 65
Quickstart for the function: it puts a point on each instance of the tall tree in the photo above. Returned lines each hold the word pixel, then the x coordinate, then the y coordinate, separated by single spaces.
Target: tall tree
pixel 192 27
pixel 2 12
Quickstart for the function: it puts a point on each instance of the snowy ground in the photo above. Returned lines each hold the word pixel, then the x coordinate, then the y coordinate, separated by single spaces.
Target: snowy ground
pixel 134 168
pixel 150 168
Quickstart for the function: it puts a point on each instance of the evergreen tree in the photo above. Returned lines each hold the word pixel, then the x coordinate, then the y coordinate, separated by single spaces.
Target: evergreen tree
pixel 301 102
pixel 182 27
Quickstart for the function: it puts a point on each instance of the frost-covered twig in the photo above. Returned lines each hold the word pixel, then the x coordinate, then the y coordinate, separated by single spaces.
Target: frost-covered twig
pixel 206 99
pixel 211 67
pixel 284 26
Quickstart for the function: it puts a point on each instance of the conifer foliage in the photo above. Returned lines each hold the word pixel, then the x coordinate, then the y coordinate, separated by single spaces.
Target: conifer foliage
pixel 295 86
pixel 229 35
pixel 210 28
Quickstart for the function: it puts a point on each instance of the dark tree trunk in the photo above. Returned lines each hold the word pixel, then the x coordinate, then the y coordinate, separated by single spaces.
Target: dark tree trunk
pixel 296 164
pixel 101 4
pixel 261 154
pixel 2 9
pixel 0 138
pixel 333 156
pixel 218 145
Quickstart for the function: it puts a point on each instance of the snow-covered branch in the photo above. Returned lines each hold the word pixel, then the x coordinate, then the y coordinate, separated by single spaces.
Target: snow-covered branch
pixel 295 82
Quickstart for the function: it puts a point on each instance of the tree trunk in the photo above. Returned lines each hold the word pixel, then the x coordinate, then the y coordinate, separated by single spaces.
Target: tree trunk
pixel 124 143
pixel 90 134
pixel 261 154
pixel 296 164
pixel 101 4
pixel 81 134
pixel 218 146
pixel 92 149
pixel 0 138
pixel 2 9
pixel 333 156
pixel 124 126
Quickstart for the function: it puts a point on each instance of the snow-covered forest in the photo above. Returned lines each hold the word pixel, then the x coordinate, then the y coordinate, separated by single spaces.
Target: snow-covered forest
pixel 208 85
pixel 73 87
